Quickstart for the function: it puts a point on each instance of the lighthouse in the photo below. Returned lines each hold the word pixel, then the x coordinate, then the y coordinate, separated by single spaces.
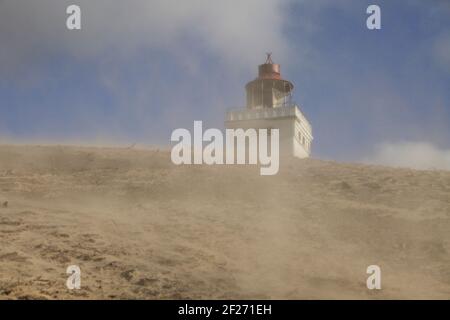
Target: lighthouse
pixel 270 106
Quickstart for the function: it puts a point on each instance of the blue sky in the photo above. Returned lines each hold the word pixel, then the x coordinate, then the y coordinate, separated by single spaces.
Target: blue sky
pixel 140 69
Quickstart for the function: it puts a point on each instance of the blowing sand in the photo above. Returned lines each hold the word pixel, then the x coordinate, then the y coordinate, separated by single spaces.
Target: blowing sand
pixel 140 227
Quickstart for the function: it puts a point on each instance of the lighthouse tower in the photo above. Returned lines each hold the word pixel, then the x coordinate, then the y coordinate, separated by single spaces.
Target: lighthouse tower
pixel 270 106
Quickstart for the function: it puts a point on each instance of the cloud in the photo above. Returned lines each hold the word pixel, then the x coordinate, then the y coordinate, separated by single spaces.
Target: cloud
pixel 138 68
pixel 237 32
pixel 417 155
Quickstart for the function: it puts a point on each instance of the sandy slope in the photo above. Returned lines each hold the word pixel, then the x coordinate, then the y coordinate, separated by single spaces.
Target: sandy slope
pixel 140 227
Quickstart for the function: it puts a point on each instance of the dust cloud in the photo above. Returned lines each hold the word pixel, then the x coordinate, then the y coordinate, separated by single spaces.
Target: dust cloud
pixel 141 228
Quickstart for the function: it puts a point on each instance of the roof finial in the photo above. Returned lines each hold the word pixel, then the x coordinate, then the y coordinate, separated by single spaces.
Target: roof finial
pixel 269 58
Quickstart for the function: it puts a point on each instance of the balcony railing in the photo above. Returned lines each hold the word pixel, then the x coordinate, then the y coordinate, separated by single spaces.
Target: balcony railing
pixel 291 110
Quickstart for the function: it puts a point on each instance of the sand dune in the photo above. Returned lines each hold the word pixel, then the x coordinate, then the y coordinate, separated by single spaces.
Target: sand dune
pixel 140 227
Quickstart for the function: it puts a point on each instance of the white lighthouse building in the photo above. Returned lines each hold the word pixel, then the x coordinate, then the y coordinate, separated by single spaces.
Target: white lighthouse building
pixel 270 106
